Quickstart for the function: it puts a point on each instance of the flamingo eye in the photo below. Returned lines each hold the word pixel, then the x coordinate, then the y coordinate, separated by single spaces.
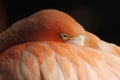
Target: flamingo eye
pixel 65 36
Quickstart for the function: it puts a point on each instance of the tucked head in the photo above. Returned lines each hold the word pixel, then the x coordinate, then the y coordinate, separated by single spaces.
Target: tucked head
pixel 56 26
pixel 45 25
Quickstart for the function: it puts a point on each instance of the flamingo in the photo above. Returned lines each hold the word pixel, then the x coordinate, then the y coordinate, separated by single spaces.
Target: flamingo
pixel 51 45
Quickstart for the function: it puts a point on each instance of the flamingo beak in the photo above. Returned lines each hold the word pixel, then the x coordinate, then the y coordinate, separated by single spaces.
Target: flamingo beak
pixel 78 40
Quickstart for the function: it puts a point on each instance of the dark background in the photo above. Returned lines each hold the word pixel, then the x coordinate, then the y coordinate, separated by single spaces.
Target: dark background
pixel 100 17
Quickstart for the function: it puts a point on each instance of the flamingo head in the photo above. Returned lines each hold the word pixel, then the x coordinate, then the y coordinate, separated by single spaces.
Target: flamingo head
pixel 54 25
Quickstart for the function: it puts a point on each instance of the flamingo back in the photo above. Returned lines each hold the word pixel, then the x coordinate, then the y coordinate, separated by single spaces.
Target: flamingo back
pixel 49 60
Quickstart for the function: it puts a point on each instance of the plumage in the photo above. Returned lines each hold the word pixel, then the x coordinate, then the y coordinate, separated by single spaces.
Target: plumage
pixel 58 61
pixel 93 41
pixel 50 45
pixel 38 26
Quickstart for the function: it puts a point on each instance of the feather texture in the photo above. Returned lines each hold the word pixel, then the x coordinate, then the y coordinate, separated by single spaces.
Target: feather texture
pixel 58 61
pixel 33 49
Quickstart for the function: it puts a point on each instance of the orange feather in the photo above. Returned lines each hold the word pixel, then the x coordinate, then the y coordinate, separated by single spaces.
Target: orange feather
pixel 32 49
pixel 54 60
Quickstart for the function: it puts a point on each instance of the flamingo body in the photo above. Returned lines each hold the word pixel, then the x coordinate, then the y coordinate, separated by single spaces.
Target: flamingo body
pixel 50 45
pixel 57 61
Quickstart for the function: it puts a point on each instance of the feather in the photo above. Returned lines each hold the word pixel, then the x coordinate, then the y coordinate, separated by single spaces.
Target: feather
pixel 58 61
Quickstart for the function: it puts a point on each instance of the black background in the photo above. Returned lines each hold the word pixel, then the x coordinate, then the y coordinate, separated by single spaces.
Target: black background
pixel 100 17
